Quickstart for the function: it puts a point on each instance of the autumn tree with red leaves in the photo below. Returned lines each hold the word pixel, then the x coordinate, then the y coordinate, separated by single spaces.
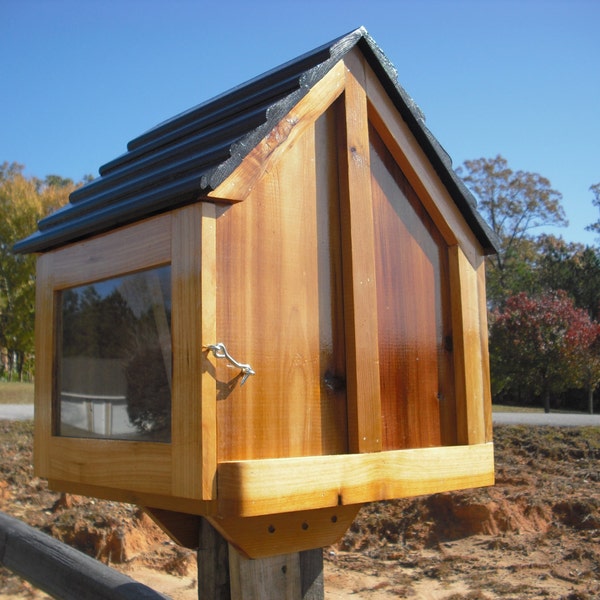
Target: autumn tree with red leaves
pixel 584 340
pixel 543 346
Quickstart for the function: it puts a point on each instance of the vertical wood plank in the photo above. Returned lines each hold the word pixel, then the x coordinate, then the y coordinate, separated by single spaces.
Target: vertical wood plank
pixel 358 250
pixel 44 352
pixel 208 309
pixel 485 354
pixel 276 577
pixel 194 393
pixel 332 369
pixel 468 358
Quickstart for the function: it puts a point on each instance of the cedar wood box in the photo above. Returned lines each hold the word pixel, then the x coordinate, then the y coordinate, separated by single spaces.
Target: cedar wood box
pixel 310 222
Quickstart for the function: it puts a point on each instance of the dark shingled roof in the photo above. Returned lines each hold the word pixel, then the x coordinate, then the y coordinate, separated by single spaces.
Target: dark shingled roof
pixel 186 157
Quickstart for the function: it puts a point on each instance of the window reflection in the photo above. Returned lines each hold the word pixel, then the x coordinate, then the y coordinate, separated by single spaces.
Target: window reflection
pixel 115 358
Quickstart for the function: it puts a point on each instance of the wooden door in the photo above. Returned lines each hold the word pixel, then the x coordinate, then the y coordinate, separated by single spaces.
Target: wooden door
pixel 279 308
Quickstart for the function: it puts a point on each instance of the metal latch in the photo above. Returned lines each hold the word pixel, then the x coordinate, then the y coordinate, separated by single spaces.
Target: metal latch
pixel 220 351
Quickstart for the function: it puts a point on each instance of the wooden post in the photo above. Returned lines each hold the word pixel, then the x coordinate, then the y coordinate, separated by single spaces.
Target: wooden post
pixel 224 574
pixel 213 564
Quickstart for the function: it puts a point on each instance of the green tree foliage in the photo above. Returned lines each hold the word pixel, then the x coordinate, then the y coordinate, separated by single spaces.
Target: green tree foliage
pixel 23 201
pixel 595 189
pixel 543 346
pixel 572 267
pixel 515 204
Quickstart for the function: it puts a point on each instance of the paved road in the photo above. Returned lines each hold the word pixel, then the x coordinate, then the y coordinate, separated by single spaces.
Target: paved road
pixel 557 419
pixel 16 412
pixel 21 412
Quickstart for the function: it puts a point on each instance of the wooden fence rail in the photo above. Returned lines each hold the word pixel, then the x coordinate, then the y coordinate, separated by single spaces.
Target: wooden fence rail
pixel 62 571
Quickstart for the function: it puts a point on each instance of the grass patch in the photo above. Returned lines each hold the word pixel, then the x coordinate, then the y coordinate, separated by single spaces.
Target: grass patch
pixel 511 408
pixel 16 392
pixel 503 408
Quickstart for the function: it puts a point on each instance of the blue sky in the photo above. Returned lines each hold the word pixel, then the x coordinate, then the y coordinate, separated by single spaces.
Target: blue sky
pixel 80 78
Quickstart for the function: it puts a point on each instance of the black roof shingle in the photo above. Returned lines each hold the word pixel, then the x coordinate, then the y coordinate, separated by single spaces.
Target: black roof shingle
pixel 186 157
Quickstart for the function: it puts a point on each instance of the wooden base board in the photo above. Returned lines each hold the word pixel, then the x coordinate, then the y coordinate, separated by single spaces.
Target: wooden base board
pixel 269 535
pixel 260 537
pixel 259 487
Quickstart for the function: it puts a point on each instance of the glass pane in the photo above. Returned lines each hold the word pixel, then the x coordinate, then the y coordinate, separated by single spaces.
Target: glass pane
pixel 114 358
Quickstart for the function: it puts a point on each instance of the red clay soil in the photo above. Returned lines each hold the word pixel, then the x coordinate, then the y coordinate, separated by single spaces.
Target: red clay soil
pixel 535 534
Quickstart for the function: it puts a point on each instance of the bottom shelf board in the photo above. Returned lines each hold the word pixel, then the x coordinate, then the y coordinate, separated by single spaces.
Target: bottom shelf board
pixel 259 487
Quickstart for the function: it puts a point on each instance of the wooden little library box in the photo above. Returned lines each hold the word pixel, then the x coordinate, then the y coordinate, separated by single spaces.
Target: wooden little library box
pixel 268 311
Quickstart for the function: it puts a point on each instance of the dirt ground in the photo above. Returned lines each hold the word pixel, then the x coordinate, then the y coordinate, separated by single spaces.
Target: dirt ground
pixel 535 534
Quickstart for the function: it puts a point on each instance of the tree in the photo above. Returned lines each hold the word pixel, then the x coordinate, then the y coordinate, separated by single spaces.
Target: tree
pixel 542 345
pixel 595 189
pixel 514 204
pixel 572 267
pixel 584 343
pixel 23 201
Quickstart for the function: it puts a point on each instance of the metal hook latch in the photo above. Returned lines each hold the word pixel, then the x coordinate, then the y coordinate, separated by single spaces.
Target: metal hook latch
pixel 219 351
